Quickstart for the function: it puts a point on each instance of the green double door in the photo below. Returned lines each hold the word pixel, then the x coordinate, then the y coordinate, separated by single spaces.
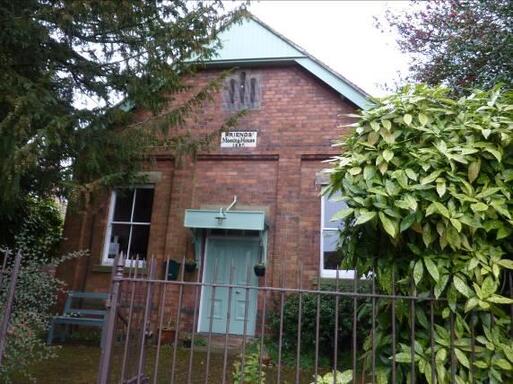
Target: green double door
pixel 219 307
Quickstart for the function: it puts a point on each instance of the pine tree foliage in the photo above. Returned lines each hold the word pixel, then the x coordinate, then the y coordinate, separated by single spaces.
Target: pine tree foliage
pixel 56 55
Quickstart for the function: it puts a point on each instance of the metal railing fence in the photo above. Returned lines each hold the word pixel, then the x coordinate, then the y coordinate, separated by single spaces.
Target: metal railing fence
pixel 290 343
pixel 9 270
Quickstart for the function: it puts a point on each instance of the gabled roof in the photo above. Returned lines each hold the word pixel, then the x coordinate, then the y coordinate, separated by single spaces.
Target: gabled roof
pixel 251 41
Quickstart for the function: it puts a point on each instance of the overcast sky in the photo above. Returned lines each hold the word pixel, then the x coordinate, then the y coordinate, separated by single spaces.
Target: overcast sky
pixel 342 34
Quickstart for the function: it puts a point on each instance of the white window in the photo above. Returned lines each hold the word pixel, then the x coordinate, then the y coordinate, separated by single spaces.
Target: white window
pixel 330 237
pixel 129 224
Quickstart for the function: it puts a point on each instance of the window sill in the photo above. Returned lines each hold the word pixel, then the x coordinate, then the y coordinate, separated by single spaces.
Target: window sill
pixel 108 269
pixel 342 274
pixel 344 285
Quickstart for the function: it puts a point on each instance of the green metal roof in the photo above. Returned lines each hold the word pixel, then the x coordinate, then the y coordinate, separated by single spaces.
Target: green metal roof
pixel 214 219
pixel 251 41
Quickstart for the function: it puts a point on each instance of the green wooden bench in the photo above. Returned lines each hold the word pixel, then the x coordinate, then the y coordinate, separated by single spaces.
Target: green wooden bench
pixel 79 316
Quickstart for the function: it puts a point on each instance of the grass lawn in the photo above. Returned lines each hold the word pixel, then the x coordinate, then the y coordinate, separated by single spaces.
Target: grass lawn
pixel 78 364
pixel 74 364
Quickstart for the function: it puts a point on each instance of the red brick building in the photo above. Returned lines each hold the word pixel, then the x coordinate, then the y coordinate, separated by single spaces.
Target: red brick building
pixel 271 162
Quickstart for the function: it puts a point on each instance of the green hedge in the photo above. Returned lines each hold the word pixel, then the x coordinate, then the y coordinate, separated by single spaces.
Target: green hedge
pixel 327 317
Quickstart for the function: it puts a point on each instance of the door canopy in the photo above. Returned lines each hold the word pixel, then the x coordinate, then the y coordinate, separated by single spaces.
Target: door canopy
pixel 201 221
pixel 212 219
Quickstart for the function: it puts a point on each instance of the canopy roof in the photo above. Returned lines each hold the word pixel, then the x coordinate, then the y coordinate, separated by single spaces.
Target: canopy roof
pixel 219 219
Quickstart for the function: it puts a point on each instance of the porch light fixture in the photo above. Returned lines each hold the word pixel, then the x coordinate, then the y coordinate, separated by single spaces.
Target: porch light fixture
pixel 220 217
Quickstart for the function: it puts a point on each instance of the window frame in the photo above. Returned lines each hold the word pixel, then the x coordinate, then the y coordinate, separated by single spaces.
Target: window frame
pixel 113 197
pixel 324 272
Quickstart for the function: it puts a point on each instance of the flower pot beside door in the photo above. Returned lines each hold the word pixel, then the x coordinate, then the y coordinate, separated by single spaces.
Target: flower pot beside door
pixel 190 266
pixel 171 270
pixel 259 269
pixel 168 333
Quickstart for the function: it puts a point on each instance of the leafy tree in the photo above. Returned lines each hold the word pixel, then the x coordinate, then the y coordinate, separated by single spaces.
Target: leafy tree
pixel 428 181
pixel 462 44
pixel 57 54
pixel 39 230
pixel 36 294
pixel 38 237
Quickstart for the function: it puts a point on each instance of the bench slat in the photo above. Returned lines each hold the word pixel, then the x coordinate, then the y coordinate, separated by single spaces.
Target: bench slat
pixel 86 317
pixel 88 295
pixel 97 312
pixel 78 321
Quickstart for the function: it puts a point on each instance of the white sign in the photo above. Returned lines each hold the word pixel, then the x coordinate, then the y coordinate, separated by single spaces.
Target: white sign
pixel 238 139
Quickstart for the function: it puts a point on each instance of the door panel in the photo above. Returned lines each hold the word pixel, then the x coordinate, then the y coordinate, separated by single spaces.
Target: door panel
pixel 240 306
pixel 217 311
pixel 223 254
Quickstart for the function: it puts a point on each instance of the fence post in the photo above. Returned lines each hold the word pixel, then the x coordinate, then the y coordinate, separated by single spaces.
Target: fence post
pixel 8 304
pixel 110 323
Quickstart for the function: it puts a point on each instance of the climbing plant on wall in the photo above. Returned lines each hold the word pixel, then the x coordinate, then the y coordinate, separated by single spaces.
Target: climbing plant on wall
pixel 428 181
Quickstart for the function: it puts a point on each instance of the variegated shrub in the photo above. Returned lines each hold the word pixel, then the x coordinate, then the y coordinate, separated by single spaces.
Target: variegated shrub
pixel 428 181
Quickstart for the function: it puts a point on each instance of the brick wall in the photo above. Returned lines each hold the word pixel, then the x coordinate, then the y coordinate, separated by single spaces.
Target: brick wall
pixel 296 121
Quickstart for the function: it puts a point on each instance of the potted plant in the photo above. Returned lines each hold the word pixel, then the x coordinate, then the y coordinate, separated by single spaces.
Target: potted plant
pixel 187 341
pixel 259 269
pixel 190 266
pixel 168 333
